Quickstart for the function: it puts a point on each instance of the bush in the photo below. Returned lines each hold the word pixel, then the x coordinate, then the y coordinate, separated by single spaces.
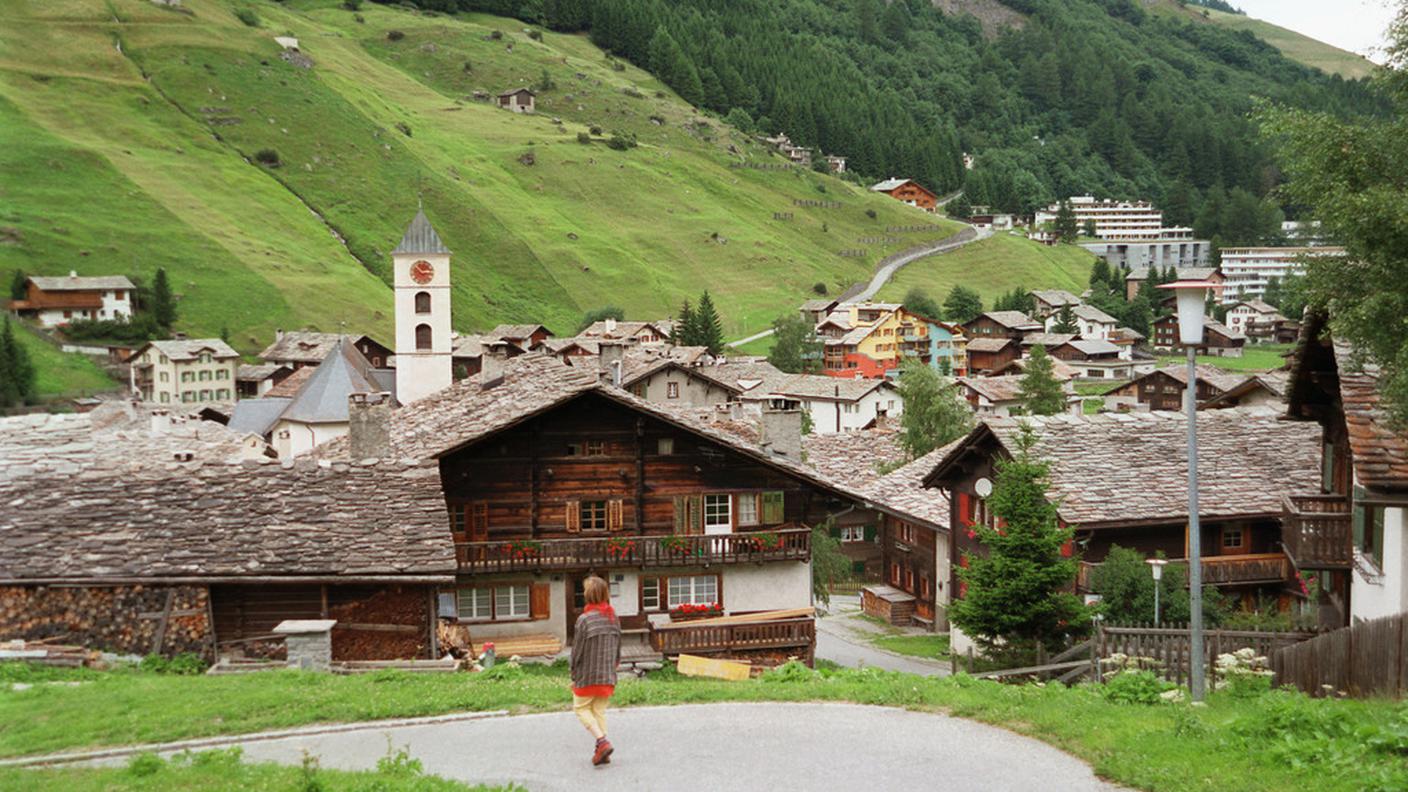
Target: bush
pixel 394 35
pixel 268 157
pixel 536 35
pixel 247 16
pixel 790 671
pixel 145 764
pixel 1135 687
pixel 819 288
pixel 584 138
pixel 596 130
pixel 620 142
pixel 138 330
pixel 352 5
pixel 871 214
pixel 467 67
pixel 495 35
pixel 404 128
pixel 184 664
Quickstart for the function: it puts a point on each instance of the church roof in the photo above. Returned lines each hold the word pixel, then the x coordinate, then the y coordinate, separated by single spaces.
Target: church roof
pixel 420 237
pixel 323 398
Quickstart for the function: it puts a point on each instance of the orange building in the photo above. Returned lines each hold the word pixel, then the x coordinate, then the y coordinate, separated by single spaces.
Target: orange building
pixel 909 191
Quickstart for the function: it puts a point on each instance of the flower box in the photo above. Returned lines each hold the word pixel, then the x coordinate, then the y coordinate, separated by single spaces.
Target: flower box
pixel 690 612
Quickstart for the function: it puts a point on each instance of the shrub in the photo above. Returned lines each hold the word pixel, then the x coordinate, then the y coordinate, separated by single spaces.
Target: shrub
pixel 394 35
pixel 870 213
pixel 536 35
pixel 185 664
pixel 352 5
pixel 495 35
pixel 620 142
pixel 467 67
pixel 404 128
pixel 361 20
pixel 268 157
pixel 1135 687
pixel 819 288
pixel 145 764
pixel 247 16
pixel 596 130
pixel 584 138
pixel 618 66
pixel 790 671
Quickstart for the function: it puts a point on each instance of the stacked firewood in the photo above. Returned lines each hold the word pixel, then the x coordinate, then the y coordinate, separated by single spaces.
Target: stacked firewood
pixel 138 620
pixel 46 653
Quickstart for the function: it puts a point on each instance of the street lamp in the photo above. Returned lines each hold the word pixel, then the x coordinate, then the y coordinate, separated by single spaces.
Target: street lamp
pixel 1192 299
pixel 1156 565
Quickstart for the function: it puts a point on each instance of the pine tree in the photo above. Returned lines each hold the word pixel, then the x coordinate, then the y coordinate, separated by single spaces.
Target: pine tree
pixel 1139 315
pixel 1017 593
pixel 17 374
pixel 917 301
pixel 962 305
pixel 686 332
pixel 934 412
pixel 709 327
pixel 1065 321
pixel 1066 228
pixel 19 286
pixel 1041 392
pixel 163 303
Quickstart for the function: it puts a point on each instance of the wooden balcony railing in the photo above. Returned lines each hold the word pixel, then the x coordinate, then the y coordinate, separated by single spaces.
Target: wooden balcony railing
pixel 1318 532
pixel 705 638
pixel 1220 570
pixel 629 550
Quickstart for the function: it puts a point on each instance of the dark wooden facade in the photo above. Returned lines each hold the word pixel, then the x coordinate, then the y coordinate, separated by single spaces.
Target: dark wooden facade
pixel 1159 391
pixel 1215 341
pixel 987 327
pixel 909 563
pixel 981 359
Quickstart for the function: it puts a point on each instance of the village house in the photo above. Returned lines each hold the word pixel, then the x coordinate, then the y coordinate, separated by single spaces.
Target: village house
pixel 915 561
pixel 1135 279
pixel 1092 324
pixel 984 217
pixel 298 348
pixel 1218 339
pixel 1120 479
pixel 830 403
pixel 814 312
pixel 1050 301
pixel 1002 395
pixel 908 192
pixel 1249 270
pixel 56 301
pixel 1163 389
pixel 255 380
pixel 987 355
pixel 1097 359
pixel 1259 390
pixel 1059 369
pixel 184 371
pixel 869 340
pixel 858 459
pixel 835 164
pixel 628 332
pixel 666 374
pixel 519 100
pixel 1259 321
pixel 1347 530
pixel 1002 324
pixel 525 337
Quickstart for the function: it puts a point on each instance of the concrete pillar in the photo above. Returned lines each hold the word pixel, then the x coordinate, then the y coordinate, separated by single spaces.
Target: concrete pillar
pixel 309 643
pixel 782 433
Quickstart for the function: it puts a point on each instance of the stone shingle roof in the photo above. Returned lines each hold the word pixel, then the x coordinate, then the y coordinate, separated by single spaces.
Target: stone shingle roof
pixel 1060 368
pixel 251 519
pixel 1212 375
pixel 515 332
pixel 259 372
pixel 903 490
pixel 853 457
pixel 420 238
pixel 1121 468
pixel 824 388
pixel 597 330
pixel 1380 453
pixel 189 348
pixel 1048 339
pixel 81 283
pixel 291 384
pixel 982 344
pixel 1012 319
pixel 1056 297
pixel 996 389
pixel 1092 314
pixel 305 346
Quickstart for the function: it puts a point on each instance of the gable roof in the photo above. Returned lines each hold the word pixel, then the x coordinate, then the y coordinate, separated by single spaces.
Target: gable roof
pixel 82 283
pixel 1122 468
pixel 1211 375
pixel 258 416
pixel 258 372
pixel 1056 297
pixel 516 332
pixel 420 238
pixel 1012 320
pixel 1092 346
pixel 985 344
pixel 995 389
pixel 182 349
pixel 598 330
pixel 1273 382
pixel 323 398
pixel 229 521
pixel 1258 305
pixel 1092 314
pixel 1062 370
pixel 889 184
pixel 308 346
pixel 513 91
pixel 903 490
pixel 853 457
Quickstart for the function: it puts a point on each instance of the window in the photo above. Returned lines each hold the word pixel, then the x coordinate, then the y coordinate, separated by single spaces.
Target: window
pixel 853 533
pixel 672 390
pixel 205 395
pixel 906 533
pixel 593 515
pixel 423 337
pixel 510 602
pixel 894 573
pixel 203 376
pixel 205 358
pixel 188 396
pixel 1369 530
pixel 1233 539
pixel 693 590
pixel 717 513
pixel 1327 467
pixel 165 377
pixel 165 397
pixel 422 302
pixel 222 374
pixel 222 395
pixel 188 376
pixel 650 594
pixel 594 448
pixel 476 604
pixel 773 507
pixel 119 295
pixel 747 508
pixel 665 446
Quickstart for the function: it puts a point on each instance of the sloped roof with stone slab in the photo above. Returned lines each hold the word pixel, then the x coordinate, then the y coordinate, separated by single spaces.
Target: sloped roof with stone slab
pixel 904 490
pixel 323 398
pixel 1129 468
pixel 854 457
pixel 1380 453
pixel 82 283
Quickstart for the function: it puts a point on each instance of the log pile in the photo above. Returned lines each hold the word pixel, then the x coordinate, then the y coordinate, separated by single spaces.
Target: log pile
pixel 141 620
pixel 379 624
pixel 48 654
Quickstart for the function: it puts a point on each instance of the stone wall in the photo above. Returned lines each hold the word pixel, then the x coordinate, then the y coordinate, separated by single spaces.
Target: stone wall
pixel 122 619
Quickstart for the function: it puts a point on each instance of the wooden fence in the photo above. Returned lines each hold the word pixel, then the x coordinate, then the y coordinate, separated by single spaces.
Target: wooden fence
pixel 1365 659
pixel 1169 646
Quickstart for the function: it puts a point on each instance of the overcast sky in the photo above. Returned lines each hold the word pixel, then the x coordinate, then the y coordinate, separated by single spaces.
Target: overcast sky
pixel 1354 25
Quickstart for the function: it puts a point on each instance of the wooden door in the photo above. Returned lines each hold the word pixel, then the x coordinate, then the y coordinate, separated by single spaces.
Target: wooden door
pixel 576 601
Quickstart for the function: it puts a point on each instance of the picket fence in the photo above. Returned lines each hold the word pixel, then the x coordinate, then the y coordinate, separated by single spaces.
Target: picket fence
pixel 1369 658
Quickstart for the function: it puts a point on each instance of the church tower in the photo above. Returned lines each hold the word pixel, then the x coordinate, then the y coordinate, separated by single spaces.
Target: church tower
pixel 422 284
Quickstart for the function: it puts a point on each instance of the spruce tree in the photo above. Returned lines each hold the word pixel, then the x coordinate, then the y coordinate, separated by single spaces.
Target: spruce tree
pixel 686 333
pixel 962 305
pixel 19 288
pixel 709 327
pixel 1018 591
pixel 1066 228
pixel 1139 315
pixel 163 302
pixel 17 374
pixel 1041 392
pixel 1065 321
pixel 934 412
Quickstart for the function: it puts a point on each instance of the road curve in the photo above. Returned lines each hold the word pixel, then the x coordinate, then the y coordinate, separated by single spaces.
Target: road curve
pixel 685 748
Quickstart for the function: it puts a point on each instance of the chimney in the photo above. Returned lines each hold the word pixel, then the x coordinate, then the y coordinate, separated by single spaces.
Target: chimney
pixel 369 425
pixel 782 433
pixel 610 325
pixel 491 370
pixel 609 361
pixel 161 421
pixel 278 334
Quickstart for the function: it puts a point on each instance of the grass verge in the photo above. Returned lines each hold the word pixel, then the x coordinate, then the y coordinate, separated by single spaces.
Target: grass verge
pixel 60 373
pixel 1256 357
pixel 932 647
pixel 1267 741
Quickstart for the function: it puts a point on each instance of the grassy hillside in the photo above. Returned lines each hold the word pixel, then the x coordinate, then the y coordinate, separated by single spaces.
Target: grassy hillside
pixel 137 128
pixel 996 265
pixel 62 374
pixel 1296 46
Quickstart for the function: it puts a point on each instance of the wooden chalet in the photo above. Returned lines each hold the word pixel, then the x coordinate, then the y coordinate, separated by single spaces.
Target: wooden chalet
pixel 519 100
pixel 1120 479
pixel 1218 339
pixel 299 348
pixel 1259 390
pixel 1348 527
pixel 908 191
pixel 915 549
pixel 1002 324
pixel 1163 389
pixel 992 354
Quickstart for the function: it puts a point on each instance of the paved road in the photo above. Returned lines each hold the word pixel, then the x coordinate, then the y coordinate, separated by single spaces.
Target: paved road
pixel 889 266
pixel 840 639
pixel 715 747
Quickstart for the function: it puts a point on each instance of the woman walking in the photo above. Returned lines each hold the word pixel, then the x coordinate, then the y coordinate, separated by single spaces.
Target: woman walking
pixel 596 651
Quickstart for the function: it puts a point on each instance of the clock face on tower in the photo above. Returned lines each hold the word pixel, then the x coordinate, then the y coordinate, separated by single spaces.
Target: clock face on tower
pixel 422 272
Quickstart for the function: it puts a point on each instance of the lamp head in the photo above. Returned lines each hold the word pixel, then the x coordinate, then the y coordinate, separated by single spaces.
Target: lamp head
pixel 1156 565
pixel 1192 300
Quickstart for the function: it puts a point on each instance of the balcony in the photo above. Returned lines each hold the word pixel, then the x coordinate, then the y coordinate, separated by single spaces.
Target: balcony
pixel 1228 570
pixel 796 636
pixel 1318 532
pixel 630 550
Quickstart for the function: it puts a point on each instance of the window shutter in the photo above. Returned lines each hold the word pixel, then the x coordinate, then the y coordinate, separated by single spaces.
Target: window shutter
pixel 614 517
pixel 835 531
pixel 870 531
pixel 773 507
pixel 696 514
pixel 538 599
pixel 574 516
pixel 681 514
pixel 1360 513
pixel 448 606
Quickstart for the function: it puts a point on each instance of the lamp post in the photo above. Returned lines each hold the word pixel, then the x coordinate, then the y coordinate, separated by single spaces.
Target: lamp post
pixel 1192 300
pixel 1156 565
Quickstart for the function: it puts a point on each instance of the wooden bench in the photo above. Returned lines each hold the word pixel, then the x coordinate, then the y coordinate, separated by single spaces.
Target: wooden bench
pixel 544 645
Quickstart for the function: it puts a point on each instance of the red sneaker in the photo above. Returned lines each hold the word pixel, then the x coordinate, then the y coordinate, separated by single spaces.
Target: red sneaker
pixel 603 752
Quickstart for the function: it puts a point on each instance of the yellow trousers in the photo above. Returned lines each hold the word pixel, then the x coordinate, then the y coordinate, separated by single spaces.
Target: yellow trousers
pixel 591 711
